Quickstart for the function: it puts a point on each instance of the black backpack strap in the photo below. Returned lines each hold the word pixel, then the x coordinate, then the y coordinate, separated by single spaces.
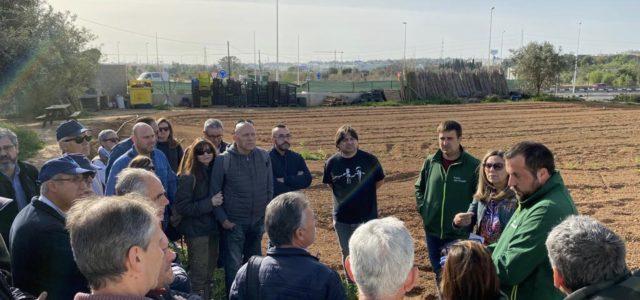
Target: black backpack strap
pixel 253 280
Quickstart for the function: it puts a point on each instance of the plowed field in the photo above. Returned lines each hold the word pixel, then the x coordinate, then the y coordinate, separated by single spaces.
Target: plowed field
pixel 597 150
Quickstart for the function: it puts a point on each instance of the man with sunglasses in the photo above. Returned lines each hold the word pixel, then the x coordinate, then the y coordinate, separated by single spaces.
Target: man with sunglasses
pixel 108 139
pixel 290 172
pixel 41 257
pixel 18 181
pixel 74 138
pixel 444 188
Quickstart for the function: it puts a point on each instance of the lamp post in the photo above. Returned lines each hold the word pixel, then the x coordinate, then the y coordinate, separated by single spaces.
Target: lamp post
pixel 575 68
pixel 404 55
pixel 490 25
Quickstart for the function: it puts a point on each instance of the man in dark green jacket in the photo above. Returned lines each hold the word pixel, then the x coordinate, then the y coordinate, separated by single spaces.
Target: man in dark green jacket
pixel 445 187
pixel 520 255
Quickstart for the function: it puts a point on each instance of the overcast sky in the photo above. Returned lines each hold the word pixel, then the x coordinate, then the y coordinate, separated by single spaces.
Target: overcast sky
pixel 361 29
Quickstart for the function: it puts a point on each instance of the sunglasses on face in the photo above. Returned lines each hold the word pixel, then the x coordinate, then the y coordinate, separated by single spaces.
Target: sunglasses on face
pixel 164 129
pixel 79 139
pixel 496 166
pixel 204 151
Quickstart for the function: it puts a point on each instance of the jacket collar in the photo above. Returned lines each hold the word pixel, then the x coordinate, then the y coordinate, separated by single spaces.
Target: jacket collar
pixel 279 251
pixel 554 181
pixel 587 291
pixel 438 156
pixel 38 204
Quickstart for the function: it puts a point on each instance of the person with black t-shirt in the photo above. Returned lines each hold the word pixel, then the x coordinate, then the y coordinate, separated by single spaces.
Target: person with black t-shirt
pixel 354 176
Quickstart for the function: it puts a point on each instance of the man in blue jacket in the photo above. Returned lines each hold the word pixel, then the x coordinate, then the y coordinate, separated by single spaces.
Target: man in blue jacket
pixel 289 270
pixel 290 172
pixel 125 145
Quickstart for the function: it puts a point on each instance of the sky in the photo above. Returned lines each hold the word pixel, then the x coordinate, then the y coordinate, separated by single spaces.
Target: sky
pixel 355 29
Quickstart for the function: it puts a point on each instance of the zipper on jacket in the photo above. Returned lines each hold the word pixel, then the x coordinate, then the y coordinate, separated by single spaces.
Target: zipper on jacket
pixel 514 293
pixel 444 197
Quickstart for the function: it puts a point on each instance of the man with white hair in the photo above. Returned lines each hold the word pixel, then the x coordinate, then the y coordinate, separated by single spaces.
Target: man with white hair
pixel 108 139
pixel 214 132
pixel 380 260
pixel 588 261
pixel 145 183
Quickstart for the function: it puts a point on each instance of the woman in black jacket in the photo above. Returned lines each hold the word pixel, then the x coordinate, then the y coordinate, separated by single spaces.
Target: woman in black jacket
pixel 195 207
pixel 168 144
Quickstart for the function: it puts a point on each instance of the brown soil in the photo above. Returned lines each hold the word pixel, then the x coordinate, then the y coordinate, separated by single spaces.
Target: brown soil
pixel 597 151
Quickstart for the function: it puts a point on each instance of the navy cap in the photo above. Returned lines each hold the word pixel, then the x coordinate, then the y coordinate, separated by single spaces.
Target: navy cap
pixel 69 128
pixel 82 161
pixel 61 165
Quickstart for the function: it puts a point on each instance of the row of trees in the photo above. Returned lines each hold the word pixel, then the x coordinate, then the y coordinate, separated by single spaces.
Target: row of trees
pixel 44 58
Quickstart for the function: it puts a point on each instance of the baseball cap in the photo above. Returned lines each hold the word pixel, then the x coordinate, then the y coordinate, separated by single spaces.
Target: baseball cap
pixel 82 161
pixel 61 165
pixel 70 128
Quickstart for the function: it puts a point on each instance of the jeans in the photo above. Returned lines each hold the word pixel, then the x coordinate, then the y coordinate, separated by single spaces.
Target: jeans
pixel 434 246
pixel 241 242
pixel 344 232
pixel 203 258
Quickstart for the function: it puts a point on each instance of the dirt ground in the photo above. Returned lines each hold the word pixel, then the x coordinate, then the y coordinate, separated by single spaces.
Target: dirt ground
pixel 597 150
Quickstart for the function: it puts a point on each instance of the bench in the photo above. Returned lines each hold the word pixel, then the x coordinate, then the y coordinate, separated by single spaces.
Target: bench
pixel 74 115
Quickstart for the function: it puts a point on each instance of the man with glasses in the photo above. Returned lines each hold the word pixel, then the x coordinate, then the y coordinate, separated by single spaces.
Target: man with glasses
pixel 214 132
pixel 246 173
pixel 18 181
pixel 444 188
pixel 108 139
pixel 74 138
pixel 41 257
pixel 290 172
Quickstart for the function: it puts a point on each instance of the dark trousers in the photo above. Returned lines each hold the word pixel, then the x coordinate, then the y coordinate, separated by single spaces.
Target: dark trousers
pixel 434 246
pixel 241 242
pixel 203 258
pixel 344 231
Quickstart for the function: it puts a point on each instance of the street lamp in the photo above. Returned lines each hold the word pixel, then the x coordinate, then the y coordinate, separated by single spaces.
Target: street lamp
pixel 502 45
pixel 575 68
pixel 490 25
pixel 146 45
pixel 277 44
pixel 404 55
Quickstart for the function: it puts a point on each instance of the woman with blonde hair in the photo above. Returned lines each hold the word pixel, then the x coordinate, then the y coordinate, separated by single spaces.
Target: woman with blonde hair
pixel 469 273
pixel 493 203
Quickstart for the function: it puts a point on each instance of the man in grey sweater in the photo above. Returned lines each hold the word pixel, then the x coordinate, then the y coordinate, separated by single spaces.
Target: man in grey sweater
pixel 243 175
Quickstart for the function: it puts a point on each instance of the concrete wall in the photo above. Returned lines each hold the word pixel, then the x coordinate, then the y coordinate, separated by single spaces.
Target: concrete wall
pixel 316 98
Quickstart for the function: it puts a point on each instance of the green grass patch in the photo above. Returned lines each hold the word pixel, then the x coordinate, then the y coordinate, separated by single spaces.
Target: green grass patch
pixel 382 103
pixel 493 99
pixel 162 107
pixel 626 98
pixel 552 98
pixel 312 155
pixel 28 141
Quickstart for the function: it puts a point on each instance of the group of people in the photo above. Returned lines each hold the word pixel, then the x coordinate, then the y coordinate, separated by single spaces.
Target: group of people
pixel 504 227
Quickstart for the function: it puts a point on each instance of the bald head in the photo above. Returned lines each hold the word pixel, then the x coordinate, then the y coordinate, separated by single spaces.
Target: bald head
pixel 244 137
pixel 144 138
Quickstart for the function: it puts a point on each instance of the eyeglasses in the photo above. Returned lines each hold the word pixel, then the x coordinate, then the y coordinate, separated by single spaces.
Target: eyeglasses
pixel 496 166
pixel 203 151
pixel 283 136
pixel 113 140
pixel 216 136
pixel 164 129
pixel 7 148
pixel 79 139
pixel 86 178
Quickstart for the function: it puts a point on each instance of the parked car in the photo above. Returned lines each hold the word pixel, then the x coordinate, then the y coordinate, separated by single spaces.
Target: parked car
pixel 154 76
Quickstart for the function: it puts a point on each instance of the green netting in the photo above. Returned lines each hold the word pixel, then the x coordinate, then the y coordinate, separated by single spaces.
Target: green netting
pixel 348 86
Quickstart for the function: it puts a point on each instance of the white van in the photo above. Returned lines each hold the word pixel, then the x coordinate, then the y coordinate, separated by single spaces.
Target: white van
pixel 154 76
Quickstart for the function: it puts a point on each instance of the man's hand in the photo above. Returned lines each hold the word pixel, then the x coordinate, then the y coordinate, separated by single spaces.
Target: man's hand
pixel 43 296
pixel 462 219
pixel 228 225
pixel 217 199
pixel 281 180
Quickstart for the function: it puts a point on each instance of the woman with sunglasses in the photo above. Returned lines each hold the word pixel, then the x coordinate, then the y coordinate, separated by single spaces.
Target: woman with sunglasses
pixel 493 203
pixel 198 223
pixel 168 144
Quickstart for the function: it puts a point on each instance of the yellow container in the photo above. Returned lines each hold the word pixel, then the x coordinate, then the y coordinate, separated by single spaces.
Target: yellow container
pixel 140 93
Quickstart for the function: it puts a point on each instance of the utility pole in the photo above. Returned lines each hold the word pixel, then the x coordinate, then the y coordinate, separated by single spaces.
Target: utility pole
pixel 298 81
pixel 205 58
pixel 442 51
pixel 255 65
pixel 521 38
pixel 157 55
pixel 229 59
pixel 502 45
pixel 404 54
pixel 118 50
pixel 259 68
pixel 146 45
pixel 575 68
pixel 490 25
pixel 277 43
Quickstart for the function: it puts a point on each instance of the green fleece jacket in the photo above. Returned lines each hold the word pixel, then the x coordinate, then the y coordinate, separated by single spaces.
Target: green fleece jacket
pixel 520 255
pixel 441 194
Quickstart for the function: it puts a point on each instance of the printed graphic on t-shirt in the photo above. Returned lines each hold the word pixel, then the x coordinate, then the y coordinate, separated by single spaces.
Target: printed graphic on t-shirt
pixel 349 176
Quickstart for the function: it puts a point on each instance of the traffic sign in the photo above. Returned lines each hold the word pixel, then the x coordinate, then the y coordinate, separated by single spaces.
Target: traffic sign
pixel 222 73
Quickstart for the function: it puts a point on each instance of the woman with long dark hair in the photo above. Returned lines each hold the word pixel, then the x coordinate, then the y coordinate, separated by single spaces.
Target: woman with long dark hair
pixel 198 223
pixel 493 203
pixel 168 144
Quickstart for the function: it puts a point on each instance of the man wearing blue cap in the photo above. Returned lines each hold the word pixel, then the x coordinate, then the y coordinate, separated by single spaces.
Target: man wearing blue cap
pixel 41 256
pixel 74 138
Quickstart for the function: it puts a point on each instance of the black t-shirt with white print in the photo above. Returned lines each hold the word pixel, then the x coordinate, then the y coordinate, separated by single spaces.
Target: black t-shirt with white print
pixel 354 186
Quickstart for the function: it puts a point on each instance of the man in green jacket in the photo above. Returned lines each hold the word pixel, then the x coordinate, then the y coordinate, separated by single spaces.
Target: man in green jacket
pixel 520 255
pixel 445 187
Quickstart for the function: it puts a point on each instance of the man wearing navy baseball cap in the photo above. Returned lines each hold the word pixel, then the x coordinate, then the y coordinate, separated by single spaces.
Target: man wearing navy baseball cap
pixel 74 138
pixel 41 252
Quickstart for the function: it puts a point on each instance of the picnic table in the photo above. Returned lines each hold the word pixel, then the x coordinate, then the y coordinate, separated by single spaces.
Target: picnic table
pixel 57 112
